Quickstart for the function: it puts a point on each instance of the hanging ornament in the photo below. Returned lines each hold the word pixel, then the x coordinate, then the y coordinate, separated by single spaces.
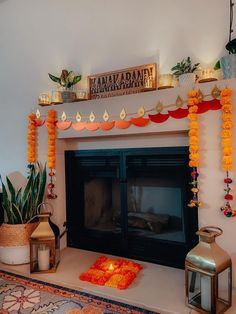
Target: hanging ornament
pixel 52 134
pixel 63 124
pixel 106 116
pixel 92 117
pixel 193 101
pixel 179 102
pixel 227 148
pixel 123 114
pixel 159 107
pixel 32 139
pixel 200 96
pixel 141 111
pixel 78 117
pixel 215 93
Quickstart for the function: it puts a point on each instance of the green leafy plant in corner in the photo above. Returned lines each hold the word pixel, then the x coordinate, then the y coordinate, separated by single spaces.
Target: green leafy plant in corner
pixel 20 205
pixel 231 47
pixel 67 78
pixel 184 66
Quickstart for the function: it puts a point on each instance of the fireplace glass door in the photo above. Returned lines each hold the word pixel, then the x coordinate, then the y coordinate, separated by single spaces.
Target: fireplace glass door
pixel 131 202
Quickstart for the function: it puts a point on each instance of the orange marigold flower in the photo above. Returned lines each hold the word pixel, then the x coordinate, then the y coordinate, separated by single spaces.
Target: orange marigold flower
pixel 193 93
pixel 226 92
pixel 226 142
pixel 193 140
pixel 193 125
pixel 227 151
pixel 193 148
pixel 192 116
pixel 227 108
pixel 226 133
pixel 193 132
pixel 227 125
pixel 193 109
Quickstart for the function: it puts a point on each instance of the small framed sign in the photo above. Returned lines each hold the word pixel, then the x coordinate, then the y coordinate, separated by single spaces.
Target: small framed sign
pixel 122 82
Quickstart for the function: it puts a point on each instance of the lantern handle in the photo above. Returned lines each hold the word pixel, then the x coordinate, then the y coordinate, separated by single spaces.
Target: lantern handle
pixel 44 204
pixel 218 231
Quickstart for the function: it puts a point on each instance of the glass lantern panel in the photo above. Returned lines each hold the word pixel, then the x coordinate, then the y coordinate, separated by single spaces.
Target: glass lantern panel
pixel 194 295
pixel 224 287
pixel 199 290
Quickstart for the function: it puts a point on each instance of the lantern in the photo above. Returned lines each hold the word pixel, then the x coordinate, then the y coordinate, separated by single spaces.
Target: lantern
pixel 44 246
pixel 208 273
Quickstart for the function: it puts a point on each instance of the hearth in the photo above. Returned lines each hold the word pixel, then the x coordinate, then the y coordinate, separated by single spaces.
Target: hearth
pixel 131 202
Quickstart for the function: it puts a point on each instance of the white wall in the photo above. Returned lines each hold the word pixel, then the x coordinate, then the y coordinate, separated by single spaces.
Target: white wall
pixel 91 36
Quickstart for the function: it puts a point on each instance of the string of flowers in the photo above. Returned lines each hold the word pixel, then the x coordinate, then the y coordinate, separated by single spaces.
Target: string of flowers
pixel 52 134
pixel 227 149
pixel 193 101
pixel 32 140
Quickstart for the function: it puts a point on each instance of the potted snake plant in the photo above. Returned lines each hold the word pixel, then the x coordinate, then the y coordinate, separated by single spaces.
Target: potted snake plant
pixel 20 206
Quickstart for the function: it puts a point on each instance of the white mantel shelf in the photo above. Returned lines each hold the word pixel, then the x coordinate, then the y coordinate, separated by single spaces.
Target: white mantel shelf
pixel 132 103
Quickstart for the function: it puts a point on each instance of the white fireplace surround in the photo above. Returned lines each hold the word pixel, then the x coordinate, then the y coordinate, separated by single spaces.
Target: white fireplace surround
pixel 173 132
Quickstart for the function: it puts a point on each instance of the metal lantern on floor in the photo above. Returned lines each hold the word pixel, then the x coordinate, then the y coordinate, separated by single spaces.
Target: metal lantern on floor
pixel 208 273
pixel 44 251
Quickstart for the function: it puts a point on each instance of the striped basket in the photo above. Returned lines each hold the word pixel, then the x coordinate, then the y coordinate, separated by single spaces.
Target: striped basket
pixel 16 235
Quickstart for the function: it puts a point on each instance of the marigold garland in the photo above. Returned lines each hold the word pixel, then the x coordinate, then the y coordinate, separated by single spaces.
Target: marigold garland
pixel 52 134
pixel 227 149
pixel 32 154
pixel 193 101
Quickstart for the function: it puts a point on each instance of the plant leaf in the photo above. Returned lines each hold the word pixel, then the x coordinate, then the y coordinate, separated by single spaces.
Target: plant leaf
pixel 76 79
pixel 54 78
pixel 11 190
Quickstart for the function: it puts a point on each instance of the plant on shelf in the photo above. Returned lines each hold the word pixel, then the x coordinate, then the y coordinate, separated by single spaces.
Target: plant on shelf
pixel 20 207
pixel 184 66
pixel 67 79
pixel 183 71
pixel 228 62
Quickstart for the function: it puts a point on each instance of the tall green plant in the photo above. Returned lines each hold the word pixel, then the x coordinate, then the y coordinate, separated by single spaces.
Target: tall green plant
pixel 20 205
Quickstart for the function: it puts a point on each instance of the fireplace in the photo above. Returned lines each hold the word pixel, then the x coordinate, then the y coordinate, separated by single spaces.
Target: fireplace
pixel 131 202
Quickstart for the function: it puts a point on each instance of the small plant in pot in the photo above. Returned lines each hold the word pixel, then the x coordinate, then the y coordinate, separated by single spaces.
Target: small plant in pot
pixel 228 62
pixel 20 208
pixel 184 71
pixel 67 81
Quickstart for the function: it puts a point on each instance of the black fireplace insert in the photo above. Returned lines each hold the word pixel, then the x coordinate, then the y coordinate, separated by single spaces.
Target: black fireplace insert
pixel 131 202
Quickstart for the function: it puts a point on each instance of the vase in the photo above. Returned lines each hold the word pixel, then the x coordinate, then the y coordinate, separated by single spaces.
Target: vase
pixel 14 243
pixel 228 66
pixel 68 95
pixel 187 79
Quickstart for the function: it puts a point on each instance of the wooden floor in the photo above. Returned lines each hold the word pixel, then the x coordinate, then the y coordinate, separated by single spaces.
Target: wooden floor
pixel 156 288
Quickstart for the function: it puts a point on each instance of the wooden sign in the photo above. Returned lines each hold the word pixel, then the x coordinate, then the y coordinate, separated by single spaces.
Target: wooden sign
pixel 122 82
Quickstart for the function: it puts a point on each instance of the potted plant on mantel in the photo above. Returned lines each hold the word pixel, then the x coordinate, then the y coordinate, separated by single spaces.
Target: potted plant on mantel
pixel 67 80
pixel 20 208
pixel 184 71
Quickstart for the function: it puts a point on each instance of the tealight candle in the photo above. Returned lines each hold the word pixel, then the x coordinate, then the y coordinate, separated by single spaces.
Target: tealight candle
pixel 56 97
pixel 44 100
pixel 165 81
pixel 207 75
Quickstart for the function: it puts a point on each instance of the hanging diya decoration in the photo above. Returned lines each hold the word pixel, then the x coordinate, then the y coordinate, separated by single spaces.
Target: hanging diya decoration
pixel 227 148
pixel 52 133
pixel 193 101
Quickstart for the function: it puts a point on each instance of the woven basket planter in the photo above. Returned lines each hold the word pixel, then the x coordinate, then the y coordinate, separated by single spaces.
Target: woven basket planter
pixel 14 243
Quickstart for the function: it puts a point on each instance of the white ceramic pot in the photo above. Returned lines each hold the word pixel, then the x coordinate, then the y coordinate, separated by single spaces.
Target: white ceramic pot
pixel 187 79
pixel 228 66
pixel 15 255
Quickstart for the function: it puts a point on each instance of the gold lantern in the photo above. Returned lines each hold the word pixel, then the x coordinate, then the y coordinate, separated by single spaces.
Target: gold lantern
pixel 44 246
pixel 208 274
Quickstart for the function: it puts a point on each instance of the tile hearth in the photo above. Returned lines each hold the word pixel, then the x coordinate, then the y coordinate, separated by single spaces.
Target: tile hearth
pixel 158 288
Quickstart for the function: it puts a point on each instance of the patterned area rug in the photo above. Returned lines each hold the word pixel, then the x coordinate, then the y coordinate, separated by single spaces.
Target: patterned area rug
pixel 21 295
